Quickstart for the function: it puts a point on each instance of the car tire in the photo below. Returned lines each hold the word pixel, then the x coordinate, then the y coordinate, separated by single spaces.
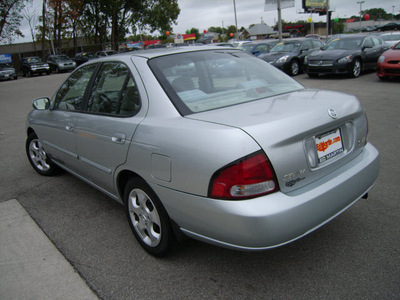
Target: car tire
pixel 48 72
pixel 38 157
pixel 383 78
pixel 148 218
pixel 355 70
pixel 294 68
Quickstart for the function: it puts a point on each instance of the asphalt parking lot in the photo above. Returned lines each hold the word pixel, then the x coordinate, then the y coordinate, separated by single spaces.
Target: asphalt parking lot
pixel 355 256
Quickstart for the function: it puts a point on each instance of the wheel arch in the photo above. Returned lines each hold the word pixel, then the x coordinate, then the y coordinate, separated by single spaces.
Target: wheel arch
pixel 29 131
pixel 122 179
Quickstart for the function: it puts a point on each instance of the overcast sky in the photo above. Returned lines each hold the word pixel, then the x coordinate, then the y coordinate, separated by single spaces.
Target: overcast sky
pixel 203 14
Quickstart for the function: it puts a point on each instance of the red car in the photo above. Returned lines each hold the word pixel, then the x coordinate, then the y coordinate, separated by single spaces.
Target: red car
pixel 389 63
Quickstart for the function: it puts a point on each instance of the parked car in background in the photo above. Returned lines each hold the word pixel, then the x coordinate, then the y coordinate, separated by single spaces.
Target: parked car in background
pixel 258 48
pixel 82 57
pixel 388 26
pixel 34 65
pixel 223 44
pixel 289 54
pixel 240 43
pixel 389 63
pixel 106 53
pixel 391 38
pixel 249 162
pixel 60 63
pixel 7 72
pixel 348 55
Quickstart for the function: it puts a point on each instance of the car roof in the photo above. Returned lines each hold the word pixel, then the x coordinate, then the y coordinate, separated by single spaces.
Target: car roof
pixel 151 53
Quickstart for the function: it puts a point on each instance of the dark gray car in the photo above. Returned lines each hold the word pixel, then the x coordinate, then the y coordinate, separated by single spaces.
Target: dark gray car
pixel 289 55
pixel 346 55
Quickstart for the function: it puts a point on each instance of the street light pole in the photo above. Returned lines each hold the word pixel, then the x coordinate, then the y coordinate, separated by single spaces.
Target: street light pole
pixel 361 3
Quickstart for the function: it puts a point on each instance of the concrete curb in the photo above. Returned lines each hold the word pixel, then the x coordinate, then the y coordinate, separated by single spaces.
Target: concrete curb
pixel 31 267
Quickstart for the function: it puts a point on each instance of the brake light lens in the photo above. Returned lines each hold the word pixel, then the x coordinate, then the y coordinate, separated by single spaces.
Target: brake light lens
pixel 245 178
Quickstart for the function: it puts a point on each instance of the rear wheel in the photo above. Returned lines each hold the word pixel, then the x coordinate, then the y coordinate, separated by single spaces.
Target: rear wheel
pixel 148 218
pixel 38 157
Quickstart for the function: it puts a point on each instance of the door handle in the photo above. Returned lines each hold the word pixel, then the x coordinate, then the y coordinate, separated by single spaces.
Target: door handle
pixel 69 128
pixel 118 138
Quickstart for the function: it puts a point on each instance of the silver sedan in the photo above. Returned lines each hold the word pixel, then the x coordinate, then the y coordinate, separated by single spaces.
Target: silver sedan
pixel 207 142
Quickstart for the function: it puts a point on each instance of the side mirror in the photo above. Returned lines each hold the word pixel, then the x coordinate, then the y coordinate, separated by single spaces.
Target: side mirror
pixel 41 103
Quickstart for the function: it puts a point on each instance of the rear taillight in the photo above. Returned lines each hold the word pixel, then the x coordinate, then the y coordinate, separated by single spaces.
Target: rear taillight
pixel 245 178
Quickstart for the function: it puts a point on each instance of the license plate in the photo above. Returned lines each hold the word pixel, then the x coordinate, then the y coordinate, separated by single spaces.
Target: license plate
pixel 329 145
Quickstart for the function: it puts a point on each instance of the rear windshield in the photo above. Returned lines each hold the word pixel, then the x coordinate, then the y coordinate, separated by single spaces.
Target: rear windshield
pixel 207 80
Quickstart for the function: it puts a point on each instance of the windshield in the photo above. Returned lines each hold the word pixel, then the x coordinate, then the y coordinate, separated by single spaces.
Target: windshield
pixel 344 44
pixel 286 47
pixel 61 58
pixel 89 54
pixel 246 47
pixel 207 80
pixel 34 60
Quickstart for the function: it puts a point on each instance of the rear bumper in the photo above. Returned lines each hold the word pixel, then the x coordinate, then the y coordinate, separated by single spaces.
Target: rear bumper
pixel 277 219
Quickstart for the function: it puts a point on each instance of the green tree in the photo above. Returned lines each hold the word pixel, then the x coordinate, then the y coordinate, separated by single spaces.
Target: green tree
pixel 196 32
pixel 10 19
pixel 215 29
pixel 377 13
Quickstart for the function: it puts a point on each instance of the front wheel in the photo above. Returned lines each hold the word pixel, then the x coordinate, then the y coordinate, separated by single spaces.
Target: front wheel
pixel 294 68
pixel 355 70
pixel 38 158
pixel 148 218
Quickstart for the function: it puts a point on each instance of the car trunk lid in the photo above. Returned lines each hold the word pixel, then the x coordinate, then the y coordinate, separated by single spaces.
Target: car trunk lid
pixel 290 128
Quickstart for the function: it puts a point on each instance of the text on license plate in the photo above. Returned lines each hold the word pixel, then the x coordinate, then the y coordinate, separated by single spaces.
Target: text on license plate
pixel 329 145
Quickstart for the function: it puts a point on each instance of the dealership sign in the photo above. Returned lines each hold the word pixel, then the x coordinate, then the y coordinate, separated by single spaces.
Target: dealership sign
pixel 5 58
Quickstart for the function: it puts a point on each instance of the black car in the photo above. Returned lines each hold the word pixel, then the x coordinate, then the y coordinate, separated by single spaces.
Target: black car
pixel 349 55
pixel 83 57
pixel 34 65
pixel 289 55
pixel 60 63
pixel 7 72
pixel 258 48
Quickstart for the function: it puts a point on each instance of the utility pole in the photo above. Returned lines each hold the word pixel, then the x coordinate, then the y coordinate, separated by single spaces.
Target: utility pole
pixel 234 7
pixel 328 19
pixel 361 3
pixel 279 21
